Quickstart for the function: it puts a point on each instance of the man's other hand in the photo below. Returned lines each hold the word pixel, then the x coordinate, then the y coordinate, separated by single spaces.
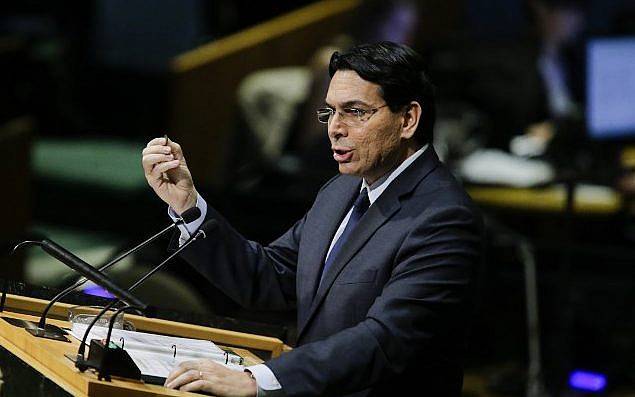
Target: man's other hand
pixel 166 172
pixel 210 377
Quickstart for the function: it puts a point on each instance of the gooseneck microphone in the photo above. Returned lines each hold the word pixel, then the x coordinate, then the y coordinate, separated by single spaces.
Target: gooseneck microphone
pixel 188 216
pixel 5 285
pixel 71 260
pixel 53 332
pixel 202 233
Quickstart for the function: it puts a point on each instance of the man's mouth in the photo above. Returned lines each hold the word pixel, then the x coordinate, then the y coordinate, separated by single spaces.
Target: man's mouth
pixel 342 155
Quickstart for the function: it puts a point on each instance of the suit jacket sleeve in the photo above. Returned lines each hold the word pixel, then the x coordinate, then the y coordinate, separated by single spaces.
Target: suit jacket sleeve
pixel 421 306
pixel 253 275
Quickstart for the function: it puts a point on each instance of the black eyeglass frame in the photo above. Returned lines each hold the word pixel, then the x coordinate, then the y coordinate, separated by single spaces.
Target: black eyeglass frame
pixel 359 114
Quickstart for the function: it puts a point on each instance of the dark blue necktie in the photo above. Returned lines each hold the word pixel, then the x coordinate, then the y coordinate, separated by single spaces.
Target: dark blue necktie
pixel 360 206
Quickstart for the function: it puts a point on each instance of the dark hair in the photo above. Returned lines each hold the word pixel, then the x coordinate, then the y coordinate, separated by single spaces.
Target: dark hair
pixel 398 70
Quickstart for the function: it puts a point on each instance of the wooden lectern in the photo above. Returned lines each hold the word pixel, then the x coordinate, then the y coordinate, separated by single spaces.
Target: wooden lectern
pixel 47 357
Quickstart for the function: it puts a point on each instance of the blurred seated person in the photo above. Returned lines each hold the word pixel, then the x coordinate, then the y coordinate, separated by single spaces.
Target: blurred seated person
pixel 527 88
pixel 560 67
pixel 531 88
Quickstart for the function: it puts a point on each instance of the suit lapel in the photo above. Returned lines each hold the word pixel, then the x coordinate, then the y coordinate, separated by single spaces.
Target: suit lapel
pixel 337 204
pixel 378 213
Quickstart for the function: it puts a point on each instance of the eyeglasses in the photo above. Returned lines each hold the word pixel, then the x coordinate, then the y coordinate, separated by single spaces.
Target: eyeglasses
pixel 352 117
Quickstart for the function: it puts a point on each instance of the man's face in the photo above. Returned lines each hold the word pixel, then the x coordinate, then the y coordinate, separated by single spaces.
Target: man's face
pixel 372 148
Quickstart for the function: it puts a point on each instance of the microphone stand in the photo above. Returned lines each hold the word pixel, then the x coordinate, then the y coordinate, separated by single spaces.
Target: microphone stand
pixel 96 353
pixel 51 328
pixel 5 284
pixel 57 333
pixel 83 268
pixel 110 360
pixel 49 331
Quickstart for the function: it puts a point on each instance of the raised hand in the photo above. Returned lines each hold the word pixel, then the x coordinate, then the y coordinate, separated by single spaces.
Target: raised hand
pixel 166 172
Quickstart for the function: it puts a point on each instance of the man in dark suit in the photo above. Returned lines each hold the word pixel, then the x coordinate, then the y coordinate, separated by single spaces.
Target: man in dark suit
pixel 380 268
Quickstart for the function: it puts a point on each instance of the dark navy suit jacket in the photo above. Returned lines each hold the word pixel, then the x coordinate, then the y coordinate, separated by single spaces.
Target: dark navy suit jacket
pixel 390 315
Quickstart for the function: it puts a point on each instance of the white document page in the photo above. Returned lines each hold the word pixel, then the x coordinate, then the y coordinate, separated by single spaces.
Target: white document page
pixel 155 354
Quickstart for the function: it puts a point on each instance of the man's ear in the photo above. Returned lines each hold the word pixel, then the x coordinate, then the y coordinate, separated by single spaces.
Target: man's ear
pixel 411 119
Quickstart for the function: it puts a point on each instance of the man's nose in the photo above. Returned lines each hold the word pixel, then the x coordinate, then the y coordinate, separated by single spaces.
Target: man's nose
pixel 336 128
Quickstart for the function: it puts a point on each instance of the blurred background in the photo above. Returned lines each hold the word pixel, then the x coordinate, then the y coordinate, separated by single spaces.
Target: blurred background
pixel 536 103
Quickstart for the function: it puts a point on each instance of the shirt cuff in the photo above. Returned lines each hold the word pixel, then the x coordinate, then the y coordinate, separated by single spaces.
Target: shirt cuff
pixel 190 228
pixel 268 385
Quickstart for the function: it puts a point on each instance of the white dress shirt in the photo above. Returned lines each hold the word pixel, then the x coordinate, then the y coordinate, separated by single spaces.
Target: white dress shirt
pixel 268 385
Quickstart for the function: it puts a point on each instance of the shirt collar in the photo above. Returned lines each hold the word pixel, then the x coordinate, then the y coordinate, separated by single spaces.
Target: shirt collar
pixel 382 183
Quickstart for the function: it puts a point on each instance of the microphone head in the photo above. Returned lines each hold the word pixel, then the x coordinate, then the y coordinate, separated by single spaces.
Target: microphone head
pixel 190 215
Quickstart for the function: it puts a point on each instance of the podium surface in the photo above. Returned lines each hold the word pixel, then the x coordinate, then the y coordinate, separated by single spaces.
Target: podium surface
pixel 47 356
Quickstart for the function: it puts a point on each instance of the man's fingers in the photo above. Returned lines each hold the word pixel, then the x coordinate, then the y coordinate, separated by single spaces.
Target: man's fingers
pixel 186 377
pixel 163 167
pixel 174 374
pixel 156 141
pixel 150 160
pixel 197 385
pixel 207 376
pixel 156 149
pixel 175 147
pixel 180 369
